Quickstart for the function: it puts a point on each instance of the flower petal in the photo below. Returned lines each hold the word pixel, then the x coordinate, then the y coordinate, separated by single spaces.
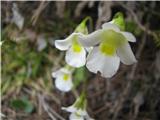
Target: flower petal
pixel 60 72
pixel 64 85
pixel 107 65
pixel 88 117
pixel 90 39
pixel 81 112
pixel 57 73
pixel 70 109
pixel 63 44
pixel 129 36
pixel 76 59
pixel 126 55
pixel 66 43
pixel 110 26
pixel 74 116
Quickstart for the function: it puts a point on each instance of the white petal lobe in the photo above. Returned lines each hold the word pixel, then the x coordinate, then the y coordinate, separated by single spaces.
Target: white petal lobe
pixel 64 85
pixel 76 59
pixel 126 55
pixel 110 26
pixel 90 39
pixel 74 116
pixel 129 36
pixel 70 109
pixel 107 65
pixel 60 72
pixel 63 44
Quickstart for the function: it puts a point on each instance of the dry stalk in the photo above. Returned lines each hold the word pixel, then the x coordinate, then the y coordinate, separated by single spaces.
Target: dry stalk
pixel 80 7
pixel 104 12
pixel 38 11
pixel 60 5
pixel 119 103
pixel 52 113
pixel 140 25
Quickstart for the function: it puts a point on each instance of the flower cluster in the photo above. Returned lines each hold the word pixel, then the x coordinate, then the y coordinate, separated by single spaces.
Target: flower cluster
pixel 75 57
pixel 101 51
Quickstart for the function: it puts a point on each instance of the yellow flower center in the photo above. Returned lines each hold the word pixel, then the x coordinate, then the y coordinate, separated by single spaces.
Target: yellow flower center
pixel 65 77
pixel 107 49
pixel 111 40
pixel 76 47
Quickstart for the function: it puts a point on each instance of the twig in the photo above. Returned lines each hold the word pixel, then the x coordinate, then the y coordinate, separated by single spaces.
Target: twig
pixel 56 114
pixel 142 27
pixel 80 7
pixel 96 94
pixel 119 103
pixel 126 91
pixel 49 110
pixel 104 107
pixel 75 93
pixel 138 54
pixel 60 5
pixel 46 108
pixel 104 12
pixel 36 14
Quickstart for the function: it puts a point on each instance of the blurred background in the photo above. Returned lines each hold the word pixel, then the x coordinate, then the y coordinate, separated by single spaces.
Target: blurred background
pixel 28 57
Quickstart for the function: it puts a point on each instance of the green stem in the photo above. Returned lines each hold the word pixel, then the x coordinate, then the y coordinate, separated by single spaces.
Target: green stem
pixel 88 18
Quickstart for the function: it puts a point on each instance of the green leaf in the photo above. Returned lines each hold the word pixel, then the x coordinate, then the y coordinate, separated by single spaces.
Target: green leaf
pixel 22 104
pixel 132 27
pixel 156 36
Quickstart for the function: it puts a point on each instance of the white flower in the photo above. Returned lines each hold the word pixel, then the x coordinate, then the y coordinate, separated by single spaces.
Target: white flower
pixel 110 47
pixel 18 19
pixel 76 54
pixel 63 79
pixel 78 110
pixel 41 43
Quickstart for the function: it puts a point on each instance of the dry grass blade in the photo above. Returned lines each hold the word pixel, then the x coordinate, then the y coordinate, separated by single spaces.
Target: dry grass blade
pixel 53 114
pixel 79 8
pixel 38 11
pixel 141 26
pixel 104 12
pixel 60 5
